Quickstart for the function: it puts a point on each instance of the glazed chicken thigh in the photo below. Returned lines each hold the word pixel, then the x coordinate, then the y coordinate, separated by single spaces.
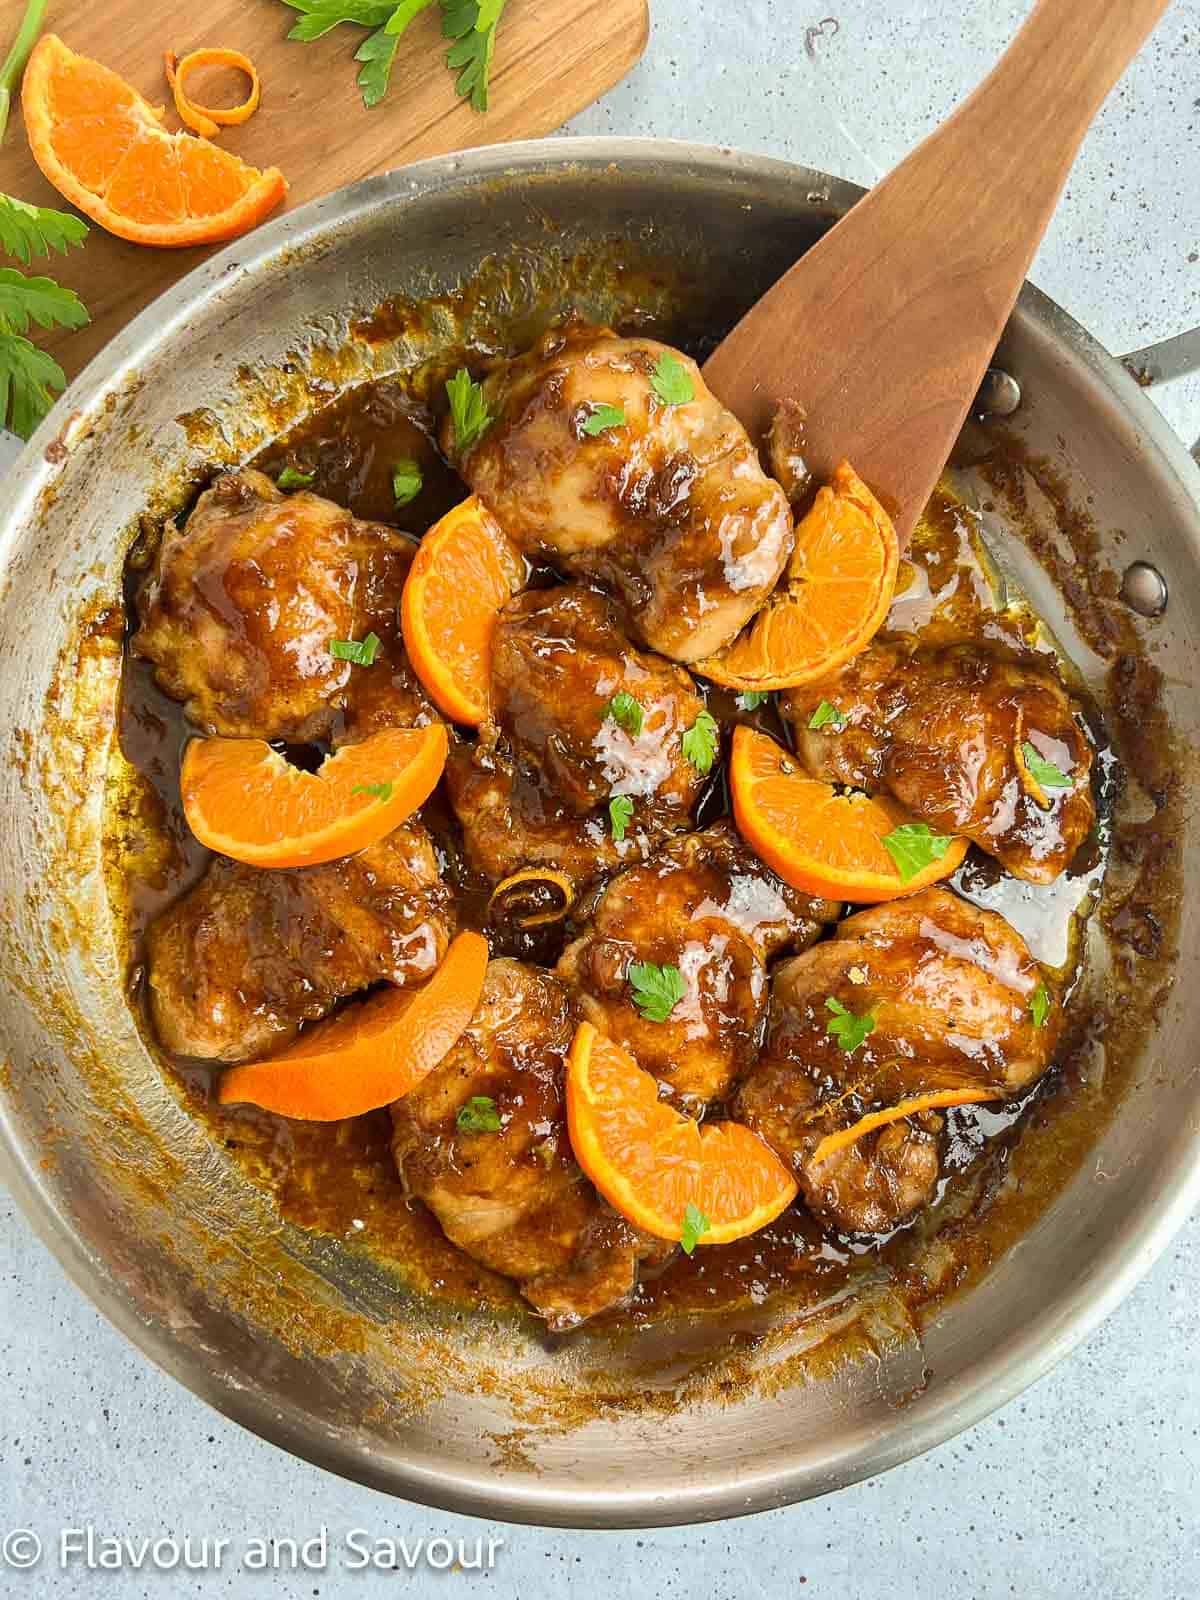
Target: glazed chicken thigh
pixel 946 732
pixel 708 907
pixel 237 964
pixel 949 989
pixel 670 508
pixel 512 1195
pixel 241 604
pixel 558 661
pixel 534 790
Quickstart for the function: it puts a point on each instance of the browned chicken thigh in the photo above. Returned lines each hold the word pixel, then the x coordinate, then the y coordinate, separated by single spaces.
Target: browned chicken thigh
pixel 950 990
pixel 711 910
pixel 946 732
pixel 670 507
pixel 237 964
pixel 239 609
pixel 558 662
pixel 505 1187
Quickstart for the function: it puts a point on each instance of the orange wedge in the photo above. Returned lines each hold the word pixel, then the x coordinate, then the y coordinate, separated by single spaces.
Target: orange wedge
pixel 244 800
pixel 818 838
pixel 845 1137
pixel 104 148
pixel 463 572
pixel 372 1053
pixel 651 1162
pixel 831 600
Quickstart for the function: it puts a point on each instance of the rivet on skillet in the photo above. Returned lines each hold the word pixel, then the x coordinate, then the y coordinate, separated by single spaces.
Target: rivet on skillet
pixel 999 394
pixel 1144 589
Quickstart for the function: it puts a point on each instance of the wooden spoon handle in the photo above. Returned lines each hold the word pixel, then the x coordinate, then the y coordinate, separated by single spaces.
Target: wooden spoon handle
pixel 885 328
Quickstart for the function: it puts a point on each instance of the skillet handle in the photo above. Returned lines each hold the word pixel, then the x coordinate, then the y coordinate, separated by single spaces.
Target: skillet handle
pixel 1162 362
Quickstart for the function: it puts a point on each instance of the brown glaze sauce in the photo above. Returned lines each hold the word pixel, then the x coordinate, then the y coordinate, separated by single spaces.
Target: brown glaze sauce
pixel 339 1180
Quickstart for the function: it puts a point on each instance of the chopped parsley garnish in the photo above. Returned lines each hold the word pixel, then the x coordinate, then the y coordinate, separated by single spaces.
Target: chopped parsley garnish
pixel 626 712
pixel 752 699
pixel 700 742
pixel 1043 772
pixel 361 652
pixel 826 714
pixel 620 815
pixel 1039 1005
pixel 671 381
pixel 848 1029
pixel 406 482
pixel 381 791
pixel 656 990
pixel 479 1115
pixel 913 846
pixel 470 416
pixel 695 1223
pixel 293 478
pixel 601 418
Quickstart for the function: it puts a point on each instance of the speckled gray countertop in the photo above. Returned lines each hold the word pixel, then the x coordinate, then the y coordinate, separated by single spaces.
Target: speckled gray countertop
pixel 1087 1486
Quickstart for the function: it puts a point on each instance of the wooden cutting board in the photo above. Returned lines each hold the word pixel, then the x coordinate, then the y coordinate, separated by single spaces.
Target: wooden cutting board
pixel 553 57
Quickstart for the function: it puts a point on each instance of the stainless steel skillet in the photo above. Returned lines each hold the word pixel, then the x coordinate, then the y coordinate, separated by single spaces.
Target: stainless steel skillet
pixel 292 1336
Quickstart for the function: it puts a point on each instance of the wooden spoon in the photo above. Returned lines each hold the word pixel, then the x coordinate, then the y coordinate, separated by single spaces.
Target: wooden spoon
pixel 885 328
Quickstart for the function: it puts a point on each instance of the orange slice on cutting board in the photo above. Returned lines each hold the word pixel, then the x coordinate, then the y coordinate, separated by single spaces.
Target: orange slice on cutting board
pixel 105 150
pixel 463 572
pixel 831 600
pixel 373 1052
pixel 244 800
pixel 818 838
pixel 651 1163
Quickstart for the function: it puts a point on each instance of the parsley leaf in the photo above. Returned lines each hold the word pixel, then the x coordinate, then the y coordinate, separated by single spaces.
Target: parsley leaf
pixel 380 791
pixel 913 846
pixel 620 815
pixel 671 381
pixel 470 416
pixel 479 1115
pixel 292 478
pixel 848 1029
pixel 826 713
pixel 27 378
pixel 603 417
pixel 322 15
pixel 700 742
pixel 472 24
pixel 27 231
pixel 752 699
pixel 626 712
pixel 361 652
pixel 1039 1005
pixel 656 990
pixel 407 481
pixel 695 1223
pixel 28 300
pixel 1044 772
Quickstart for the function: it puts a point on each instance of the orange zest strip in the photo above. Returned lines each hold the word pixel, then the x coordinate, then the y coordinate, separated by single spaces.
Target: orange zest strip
pixel 833 1142
pixel 244 800
pixel 464 570
pixel 371 1053
pixel 207 121
pixel 649 1161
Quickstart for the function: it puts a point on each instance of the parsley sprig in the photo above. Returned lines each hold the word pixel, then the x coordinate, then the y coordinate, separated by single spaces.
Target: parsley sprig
pixel 471 418
pixel 626 712
pixel 848 1029
pixel 913 846
pixel 479 1115
pixel 1039 1005
pixel 602 417
pixel 656 990
pixel 1044 772
pixel 620 815
pixel 470 25
pixel 695 1224
pixel 827 714
pixel 29 378
pixel 700 742
pixel 671 381
pixel 362 652
pixel 407 481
